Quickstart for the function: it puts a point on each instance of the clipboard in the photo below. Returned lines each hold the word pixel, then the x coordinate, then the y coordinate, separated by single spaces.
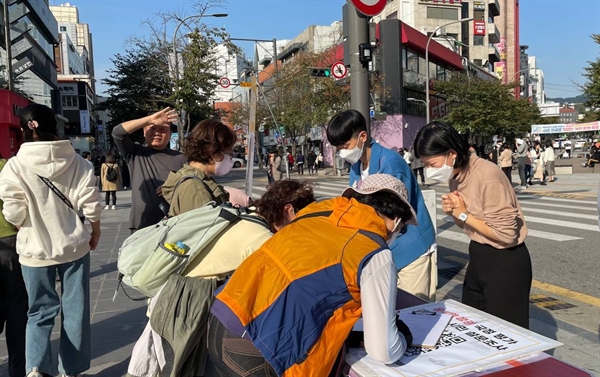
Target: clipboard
pixel 426 327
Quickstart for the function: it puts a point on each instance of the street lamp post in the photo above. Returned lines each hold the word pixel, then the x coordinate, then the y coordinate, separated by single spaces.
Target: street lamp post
pixel 427 62
pixel 181 123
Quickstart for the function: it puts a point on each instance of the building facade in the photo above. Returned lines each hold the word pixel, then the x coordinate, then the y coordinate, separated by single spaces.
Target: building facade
pixel 232 67
pixel 34 32
pixel 11 136
pixel 538 80
pixel 568 115
pixel 508 25
pixel 474 40
pixel 76 77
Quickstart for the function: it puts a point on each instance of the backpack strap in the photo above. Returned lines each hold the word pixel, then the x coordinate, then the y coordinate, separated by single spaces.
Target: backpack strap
pixel 191 176
pixel 165 207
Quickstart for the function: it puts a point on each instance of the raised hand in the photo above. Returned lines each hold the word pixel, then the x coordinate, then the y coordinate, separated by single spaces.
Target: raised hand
pixel 164 117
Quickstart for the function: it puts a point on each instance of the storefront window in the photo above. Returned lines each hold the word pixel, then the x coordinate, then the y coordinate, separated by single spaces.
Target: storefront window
pixel 412 61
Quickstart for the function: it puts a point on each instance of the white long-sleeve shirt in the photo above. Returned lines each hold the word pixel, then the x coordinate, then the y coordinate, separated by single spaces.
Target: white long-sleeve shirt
pixel 383 341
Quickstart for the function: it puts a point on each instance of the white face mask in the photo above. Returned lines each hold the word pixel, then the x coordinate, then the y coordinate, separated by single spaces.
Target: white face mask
pixel 441 175
pixel 223 167
pixel 352 155
pixel 395 232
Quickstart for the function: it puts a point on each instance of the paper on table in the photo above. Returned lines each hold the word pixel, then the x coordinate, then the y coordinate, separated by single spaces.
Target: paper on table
pixel 426 329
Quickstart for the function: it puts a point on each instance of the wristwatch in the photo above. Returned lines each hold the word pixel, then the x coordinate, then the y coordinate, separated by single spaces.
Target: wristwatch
pixel 463 216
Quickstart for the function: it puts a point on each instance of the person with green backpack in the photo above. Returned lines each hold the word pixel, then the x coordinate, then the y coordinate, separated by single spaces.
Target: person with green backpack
pixel 208 149
pixel 183 331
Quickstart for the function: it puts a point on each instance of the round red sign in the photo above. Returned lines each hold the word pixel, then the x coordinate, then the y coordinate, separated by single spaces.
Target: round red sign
pixel 370 7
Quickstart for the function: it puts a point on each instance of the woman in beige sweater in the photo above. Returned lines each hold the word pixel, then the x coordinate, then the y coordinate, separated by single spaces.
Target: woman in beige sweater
pixel 505 161
pixel 111 180
pixel 483 203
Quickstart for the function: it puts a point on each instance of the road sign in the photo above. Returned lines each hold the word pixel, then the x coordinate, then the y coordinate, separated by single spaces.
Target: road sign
pixel 224 82
pixel 20 47
pixel 21 66
pixel 339 70
pixel 370 7
pixel 245 84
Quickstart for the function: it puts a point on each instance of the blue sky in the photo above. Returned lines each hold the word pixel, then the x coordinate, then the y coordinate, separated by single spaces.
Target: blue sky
pixel 557 31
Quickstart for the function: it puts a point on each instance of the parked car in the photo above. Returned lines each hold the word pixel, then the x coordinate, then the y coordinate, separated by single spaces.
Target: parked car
pixel 581 144
pixel 556 143
pixel 238 162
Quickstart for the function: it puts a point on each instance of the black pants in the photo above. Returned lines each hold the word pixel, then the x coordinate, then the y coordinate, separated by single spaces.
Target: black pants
pixel 13 306
pixel 114 197
pixel 417 172
pixel 301 167
pixel 508 171
pixel 498 282
pixel 233 356
pixel 521 163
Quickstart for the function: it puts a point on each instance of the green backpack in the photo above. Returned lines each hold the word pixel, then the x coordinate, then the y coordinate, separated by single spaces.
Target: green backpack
pixel 149 257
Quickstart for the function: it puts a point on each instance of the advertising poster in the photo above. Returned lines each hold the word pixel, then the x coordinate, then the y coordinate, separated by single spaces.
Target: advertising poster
pixel 84 121
pixel 473 340
pixel 500 71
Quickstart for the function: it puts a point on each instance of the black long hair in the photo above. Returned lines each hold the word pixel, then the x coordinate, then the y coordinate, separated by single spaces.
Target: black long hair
pixel 437 138
pixel 47 126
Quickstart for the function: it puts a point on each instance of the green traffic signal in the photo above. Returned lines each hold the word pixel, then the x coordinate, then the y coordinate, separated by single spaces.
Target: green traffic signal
pixel 320 72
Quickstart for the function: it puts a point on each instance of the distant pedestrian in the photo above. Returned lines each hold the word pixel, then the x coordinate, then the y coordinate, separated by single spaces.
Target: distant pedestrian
pixel 417 169
pixel 408 156
pixel 300 162
pixel 521 155
pixel 505 161
pixel 112 181
pixel 13 296
pixel 149 165
pixel 484 204
pixel 52 240
pixel 549 157
pixel 278 167
pixel 87 156
pixel 310 161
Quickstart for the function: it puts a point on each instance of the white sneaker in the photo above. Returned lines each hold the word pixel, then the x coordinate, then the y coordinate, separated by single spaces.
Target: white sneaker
pixel 107 207
pixel 36 373
pixel 113 207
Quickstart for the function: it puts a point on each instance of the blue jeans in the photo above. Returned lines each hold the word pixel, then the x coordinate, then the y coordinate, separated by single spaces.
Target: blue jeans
pixel 45 304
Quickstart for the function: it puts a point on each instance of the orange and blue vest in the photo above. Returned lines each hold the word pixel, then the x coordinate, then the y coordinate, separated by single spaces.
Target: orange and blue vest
pixel 298 297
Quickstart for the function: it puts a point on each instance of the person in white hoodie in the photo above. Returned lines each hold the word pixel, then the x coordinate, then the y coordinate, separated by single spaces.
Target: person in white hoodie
pixel 42 188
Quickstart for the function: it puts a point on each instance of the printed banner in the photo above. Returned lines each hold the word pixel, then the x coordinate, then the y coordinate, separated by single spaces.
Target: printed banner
pixel 564 128
pixel 473 340
pixel 500 71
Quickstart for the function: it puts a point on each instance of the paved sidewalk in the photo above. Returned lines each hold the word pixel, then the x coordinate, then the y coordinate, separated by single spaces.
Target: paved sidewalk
pixel 115 325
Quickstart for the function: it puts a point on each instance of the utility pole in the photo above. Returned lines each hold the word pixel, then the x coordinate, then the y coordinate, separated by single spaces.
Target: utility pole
pixel 7 44
pixel 251 132
pixel 358 25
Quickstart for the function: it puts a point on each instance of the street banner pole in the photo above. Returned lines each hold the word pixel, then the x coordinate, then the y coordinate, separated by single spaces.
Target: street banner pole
pixel 251 134
pixel 358 25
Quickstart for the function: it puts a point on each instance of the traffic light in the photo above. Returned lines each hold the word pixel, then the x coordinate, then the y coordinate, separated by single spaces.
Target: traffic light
pixel 320 72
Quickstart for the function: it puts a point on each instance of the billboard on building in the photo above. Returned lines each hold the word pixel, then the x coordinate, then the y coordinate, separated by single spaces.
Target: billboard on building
pixel 479 28
pixel 479 5
pixel 500 71
pixel 84 121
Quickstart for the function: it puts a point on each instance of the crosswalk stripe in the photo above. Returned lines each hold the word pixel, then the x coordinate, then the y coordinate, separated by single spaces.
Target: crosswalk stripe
pixel 530 232
pixel 332 189
pixel 454 236
pixel 556 213
pixel 564 224
pixel 544 198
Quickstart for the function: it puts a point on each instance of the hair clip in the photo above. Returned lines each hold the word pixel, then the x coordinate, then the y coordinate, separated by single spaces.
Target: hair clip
pixel 33 124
